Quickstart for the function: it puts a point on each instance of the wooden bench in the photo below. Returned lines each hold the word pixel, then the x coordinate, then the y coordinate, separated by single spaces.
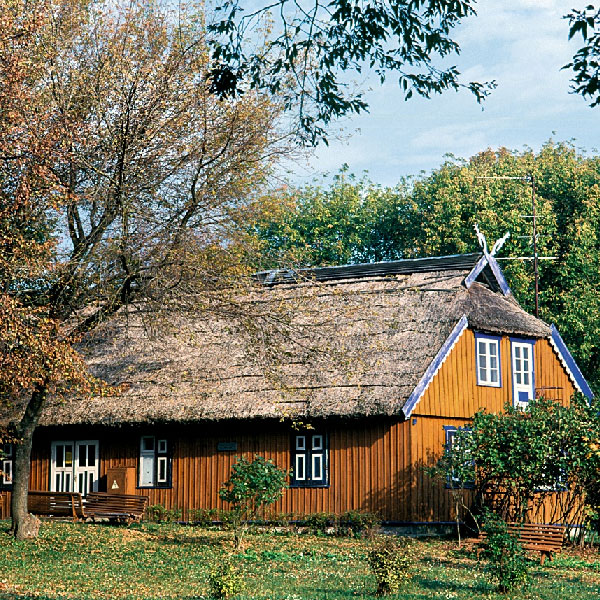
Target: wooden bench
pixel 56 504
pixel 120 507
pixel 536 537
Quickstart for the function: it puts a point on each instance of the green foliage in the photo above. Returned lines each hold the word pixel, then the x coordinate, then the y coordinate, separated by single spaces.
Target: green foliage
pixel 507 565
pixel 586 80
pixel 203 516
pixel 157 513
pixel 358 522
pixel 392 562
pixel 353 220
pixel 224 580
pixel 519 457
pixel 319 523
pixel 252 486
pixel 311 48
pixel 357 221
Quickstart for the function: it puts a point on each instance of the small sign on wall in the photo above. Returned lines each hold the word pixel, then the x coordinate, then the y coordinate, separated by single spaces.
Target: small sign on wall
pixel 227 446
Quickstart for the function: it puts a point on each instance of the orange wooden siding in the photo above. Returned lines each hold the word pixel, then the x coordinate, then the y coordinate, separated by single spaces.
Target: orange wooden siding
pixel 369 464
pixel 454 392
pixel 375 464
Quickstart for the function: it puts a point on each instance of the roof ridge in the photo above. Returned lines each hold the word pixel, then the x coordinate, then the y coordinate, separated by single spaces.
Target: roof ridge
pixel 452 262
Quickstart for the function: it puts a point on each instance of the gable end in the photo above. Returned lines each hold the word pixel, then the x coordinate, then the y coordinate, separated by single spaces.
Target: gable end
pixel 434 366
pixel 568 362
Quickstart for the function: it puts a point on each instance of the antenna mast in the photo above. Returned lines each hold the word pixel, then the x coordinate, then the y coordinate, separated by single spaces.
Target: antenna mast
pixel 533 216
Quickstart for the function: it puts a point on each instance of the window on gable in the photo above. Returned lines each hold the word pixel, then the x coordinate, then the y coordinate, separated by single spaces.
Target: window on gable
pixel 310 460
pixel 487 351
pixel 155 463
pixel 454 481
pixel 522 371
pixel 6 465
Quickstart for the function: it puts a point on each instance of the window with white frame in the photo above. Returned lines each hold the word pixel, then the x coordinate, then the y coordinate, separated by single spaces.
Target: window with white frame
pixel 522 371
pixel 487 351
pixel 310 460
pixel 74 466
pixel 155 463
pixel 6 465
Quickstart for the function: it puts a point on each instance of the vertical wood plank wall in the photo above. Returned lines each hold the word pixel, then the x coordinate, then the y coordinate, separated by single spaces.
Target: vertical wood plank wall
pixel 454 392
pixel 369 464
pixel 375 464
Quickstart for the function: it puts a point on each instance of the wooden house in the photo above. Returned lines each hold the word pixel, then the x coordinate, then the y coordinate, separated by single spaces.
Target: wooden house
pixel 355 384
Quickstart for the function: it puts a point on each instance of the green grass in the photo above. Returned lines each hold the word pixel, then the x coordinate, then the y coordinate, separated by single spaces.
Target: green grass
pixel 152 561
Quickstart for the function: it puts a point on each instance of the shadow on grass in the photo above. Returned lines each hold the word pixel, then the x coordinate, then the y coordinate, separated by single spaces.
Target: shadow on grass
pixel 192 540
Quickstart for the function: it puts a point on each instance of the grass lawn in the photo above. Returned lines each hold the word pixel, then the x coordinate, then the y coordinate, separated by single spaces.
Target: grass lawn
pixel 152 561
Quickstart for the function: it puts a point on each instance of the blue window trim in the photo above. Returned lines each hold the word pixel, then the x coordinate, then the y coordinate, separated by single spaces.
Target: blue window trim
pixel 468 485
pixel 529 342
pixel 498 339
pixel 570 364
pixel 308 483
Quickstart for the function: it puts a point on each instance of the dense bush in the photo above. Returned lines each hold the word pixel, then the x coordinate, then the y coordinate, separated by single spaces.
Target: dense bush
pixel 203 516
pixel 392 563
pixel 224 580
pixel 507 565
pixel 319 523
pixel 358 523
pixel 157 513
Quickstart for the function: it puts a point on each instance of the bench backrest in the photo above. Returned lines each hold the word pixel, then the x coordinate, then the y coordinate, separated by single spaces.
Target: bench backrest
pixel 55 504
pixel 538 533
pixel 103 503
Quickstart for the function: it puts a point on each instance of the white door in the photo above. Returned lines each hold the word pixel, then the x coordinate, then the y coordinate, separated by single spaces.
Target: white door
pixel 74 466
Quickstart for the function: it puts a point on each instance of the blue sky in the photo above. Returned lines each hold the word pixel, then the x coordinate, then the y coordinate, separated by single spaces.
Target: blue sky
pixel 522 45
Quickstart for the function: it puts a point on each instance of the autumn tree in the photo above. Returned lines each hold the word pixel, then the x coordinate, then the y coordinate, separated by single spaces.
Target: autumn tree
pixel 127 170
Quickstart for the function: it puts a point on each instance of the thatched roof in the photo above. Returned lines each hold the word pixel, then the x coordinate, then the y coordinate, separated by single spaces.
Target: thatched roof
pixel 346 346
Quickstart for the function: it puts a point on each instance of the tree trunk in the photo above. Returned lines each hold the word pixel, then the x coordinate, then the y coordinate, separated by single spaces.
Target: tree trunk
pixel 21 525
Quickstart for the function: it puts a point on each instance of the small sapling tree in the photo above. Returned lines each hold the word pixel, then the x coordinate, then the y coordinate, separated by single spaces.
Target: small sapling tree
pixel 253 485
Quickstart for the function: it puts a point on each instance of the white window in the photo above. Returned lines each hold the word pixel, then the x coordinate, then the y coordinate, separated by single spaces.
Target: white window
pixel 74 466
pixel 522 372
pixel 487 349
pixel 309 460
pixel 6 464
pixel 155 463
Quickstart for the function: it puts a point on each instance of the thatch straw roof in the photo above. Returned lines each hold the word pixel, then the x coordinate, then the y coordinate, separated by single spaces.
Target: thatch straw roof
pixel 352 346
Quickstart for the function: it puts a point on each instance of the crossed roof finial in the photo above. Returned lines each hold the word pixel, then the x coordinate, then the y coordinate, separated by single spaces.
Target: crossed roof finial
pixel 483 242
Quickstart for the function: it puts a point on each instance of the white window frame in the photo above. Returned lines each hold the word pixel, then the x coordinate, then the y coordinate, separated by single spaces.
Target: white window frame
pixel 158 462
pixel 75 477
pixel 7 465
pixel 523 371
pixel 484 360
pixel 310 460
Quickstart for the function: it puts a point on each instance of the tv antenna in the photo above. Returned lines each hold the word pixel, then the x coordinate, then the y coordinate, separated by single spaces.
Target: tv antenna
pixel 535 258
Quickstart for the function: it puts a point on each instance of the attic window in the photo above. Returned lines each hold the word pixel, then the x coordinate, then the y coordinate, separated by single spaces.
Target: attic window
pixel 310 460
pixel 487 350
pixel 155 463
pixel 522 371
